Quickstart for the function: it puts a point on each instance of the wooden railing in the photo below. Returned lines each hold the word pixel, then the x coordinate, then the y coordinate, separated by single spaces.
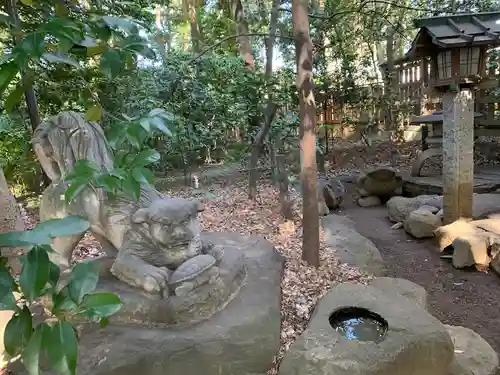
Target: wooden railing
pixel 414 96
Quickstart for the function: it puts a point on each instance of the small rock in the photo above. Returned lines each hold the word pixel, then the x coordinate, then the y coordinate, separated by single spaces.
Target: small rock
pixel 369 201
pixel 431 209
pixel 363 192
pixel 331 194
pixel 447 233
pixel 399 207
pixel 323 209
pixel 351 247
pixel 421 223
pixel 469 250
pixel 381 182
pixel 495 255
pixel 398 225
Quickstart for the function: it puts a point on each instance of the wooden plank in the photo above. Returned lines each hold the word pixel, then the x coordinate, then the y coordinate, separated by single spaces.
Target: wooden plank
pixel 487 99
pixel 485 180
pixel 485 132
pixel 487 122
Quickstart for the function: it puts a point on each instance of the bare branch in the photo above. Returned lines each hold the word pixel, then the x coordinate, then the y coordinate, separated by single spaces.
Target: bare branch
pixel 358 9
pixel 223 40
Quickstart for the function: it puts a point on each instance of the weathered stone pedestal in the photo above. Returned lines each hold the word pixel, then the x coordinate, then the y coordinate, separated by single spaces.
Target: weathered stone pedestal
pixel 458 155
pixel 242 338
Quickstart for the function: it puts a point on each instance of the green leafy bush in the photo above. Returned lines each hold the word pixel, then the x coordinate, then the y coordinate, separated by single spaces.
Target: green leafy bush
pixel 17 160
pixel 71 296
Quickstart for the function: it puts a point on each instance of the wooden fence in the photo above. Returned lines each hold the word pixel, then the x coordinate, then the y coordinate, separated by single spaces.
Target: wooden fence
pixel 413 96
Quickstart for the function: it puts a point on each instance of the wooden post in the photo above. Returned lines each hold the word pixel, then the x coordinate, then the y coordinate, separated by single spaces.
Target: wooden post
pixel 458 155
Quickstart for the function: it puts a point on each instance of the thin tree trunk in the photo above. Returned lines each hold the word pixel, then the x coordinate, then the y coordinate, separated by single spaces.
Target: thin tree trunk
pixel 286 202
pixel 270 108
pixel 193 23
pixel 242 29
pixel 389 78
pixel 303 50
pixel 160 37
pixel 29 93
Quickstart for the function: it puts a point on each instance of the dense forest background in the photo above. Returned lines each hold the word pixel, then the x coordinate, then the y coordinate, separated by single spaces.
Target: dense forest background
pixel 224 71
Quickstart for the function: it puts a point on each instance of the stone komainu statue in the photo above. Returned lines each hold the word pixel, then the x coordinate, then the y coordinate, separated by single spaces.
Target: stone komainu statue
pixel 154 243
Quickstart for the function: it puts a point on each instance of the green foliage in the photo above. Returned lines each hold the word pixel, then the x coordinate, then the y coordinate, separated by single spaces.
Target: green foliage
pixel 57 342
pixel 16 158
pixel 205 102
pixel 76 41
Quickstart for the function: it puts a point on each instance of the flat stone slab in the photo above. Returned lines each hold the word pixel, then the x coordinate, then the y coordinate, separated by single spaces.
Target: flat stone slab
pixel 241 339
pixel 416 343
pixel 473 355
pixel 350 246
pixel 402 287
pixel 483 205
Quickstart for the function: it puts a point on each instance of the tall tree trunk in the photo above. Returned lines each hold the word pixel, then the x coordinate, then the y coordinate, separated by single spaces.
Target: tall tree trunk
pixel 389 78
pixel 193 24
pixel 242 29
pixel 303 51
pixel 270 107
pixel 160 37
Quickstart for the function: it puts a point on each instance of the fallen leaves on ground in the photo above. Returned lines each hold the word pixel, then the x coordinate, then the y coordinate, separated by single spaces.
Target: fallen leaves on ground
pixel 230 210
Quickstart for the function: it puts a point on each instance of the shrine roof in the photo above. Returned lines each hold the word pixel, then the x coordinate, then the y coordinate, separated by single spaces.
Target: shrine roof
pixel 459 30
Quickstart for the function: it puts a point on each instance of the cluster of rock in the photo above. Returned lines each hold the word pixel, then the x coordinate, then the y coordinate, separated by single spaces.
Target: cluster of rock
pixel 210 303
pixel 378 185
pixel 420 216
pixel 467 242
pixel 416 343
pixel 472 242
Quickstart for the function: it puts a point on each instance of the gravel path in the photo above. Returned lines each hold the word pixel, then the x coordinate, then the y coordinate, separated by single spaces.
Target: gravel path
pixel 457 297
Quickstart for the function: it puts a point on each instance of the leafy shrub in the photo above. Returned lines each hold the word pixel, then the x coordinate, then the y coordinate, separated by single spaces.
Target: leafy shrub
pixel 17 160
pixel 56 342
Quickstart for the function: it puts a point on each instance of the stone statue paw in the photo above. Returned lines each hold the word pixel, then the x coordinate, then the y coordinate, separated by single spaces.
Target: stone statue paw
pixel 217 252
pixel 194 272
pixel 153 279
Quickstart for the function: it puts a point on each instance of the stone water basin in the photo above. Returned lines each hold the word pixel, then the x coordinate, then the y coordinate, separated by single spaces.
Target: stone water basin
pixel 364 330
pixel 356 323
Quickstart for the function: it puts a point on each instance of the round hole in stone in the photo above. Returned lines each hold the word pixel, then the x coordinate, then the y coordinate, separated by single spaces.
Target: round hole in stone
pixel 357 323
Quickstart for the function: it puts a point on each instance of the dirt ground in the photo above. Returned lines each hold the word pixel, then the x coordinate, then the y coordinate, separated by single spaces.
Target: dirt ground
pixel 456 297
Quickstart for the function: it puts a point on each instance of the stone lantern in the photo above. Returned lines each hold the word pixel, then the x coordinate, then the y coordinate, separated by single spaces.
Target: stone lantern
pixel 456 47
